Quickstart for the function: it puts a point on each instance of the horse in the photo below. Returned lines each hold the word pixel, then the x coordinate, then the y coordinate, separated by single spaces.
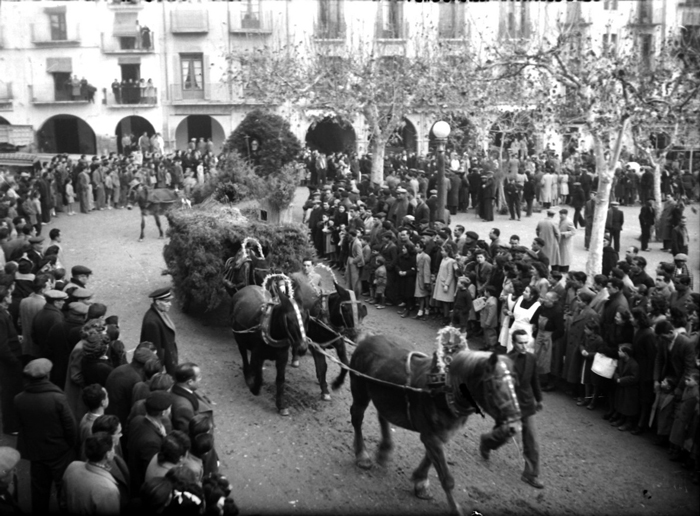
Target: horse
pixel 248 267
pixel 398 382
pixel 332 317
pixel 155 202
pixel 266 327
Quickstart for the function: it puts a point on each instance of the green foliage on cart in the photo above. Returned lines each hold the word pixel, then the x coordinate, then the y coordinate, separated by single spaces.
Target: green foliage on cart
pixel 202 239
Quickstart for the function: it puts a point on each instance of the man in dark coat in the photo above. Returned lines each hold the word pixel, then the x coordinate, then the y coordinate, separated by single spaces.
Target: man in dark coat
pixel 48 317
pixel 158 328
pixel 474 179
pixel 578 201
pixel 432 204
pixel 48 433
pixel 486 198
pixel 646 186
pixel 146 435
pixel 680 238
pixel 62 339
pixel 647 219
pixel 10 366
pixel 616 301
pixel 614 223
pixel 530 400
pixel 121 381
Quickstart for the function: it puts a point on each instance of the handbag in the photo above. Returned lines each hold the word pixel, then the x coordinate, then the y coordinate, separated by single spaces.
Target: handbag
pixel 479 303
pixel 604 366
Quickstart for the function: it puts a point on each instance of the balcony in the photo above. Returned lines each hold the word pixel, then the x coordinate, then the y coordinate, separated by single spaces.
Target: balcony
pixel 129 98
pixel 6 96
pixel 127 45
pixel 212 93
pixel 43 36
pixel 45 95
pixel 250 23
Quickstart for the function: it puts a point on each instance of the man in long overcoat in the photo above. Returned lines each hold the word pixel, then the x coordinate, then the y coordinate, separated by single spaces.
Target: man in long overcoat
pixel 589 214
pixel 566 240
pixel 48 433
pixel 614 223
pixel 120 382
pixel 158 328
pixel 548 230
pixel 49 316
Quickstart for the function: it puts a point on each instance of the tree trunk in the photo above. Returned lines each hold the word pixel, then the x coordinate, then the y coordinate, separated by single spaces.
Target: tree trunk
pixel 606 173
pixel 658 200
pixel 377 149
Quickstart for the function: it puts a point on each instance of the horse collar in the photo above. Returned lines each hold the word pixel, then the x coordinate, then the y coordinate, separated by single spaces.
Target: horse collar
pixel 265 323
pixel 455 393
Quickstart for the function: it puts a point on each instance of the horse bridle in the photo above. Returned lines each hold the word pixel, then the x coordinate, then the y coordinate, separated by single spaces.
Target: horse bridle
pixel 490 385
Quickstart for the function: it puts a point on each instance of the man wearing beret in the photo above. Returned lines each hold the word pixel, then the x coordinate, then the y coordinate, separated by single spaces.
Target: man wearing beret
pixel 48 433
pixel 50 315
pixel 158 328
pixel 146 435
pixel 80 275
pixel 9 458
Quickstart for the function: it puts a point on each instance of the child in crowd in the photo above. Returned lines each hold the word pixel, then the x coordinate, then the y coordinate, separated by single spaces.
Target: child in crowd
pixel 592 343
pixel 70 198
pixel 626 389
pixel 489 318
pixel 463 305
pixel 423 279
pixel 380 283
pixel 371 268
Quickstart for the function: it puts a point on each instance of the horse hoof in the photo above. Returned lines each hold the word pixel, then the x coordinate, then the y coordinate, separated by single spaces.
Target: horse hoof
pixel 295 363
pixel 140 239
pixel 364 463
pixel 423 493
pixel 326 397
pixel 284 412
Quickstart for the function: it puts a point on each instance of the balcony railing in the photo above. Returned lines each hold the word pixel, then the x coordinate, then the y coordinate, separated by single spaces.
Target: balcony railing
pixel 129 97
pixel 43 35
pixel 208 93
pixel 136 44
pixel 244 22
pixel 48 94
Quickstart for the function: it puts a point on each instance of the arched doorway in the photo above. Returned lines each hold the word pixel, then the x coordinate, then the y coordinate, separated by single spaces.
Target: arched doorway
pixel 462 136
pixel 199 126
pixel 135 126
pixel 405 138
pixel 332 134
pixel 66 134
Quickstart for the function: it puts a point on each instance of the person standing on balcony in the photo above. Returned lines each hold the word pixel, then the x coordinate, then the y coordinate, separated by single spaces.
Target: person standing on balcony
pixel 117 91
pixel 145 38
pixel 150 92
pixel 74 84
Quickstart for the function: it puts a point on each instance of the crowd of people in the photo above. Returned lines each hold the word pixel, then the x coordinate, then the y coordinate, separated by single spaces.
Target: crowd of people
pixel 397 251
pixel 112 435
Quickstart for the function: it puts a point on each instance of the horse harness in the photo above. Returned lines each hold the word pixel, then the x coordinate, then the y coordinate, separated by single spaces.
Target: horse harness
pixel 265 323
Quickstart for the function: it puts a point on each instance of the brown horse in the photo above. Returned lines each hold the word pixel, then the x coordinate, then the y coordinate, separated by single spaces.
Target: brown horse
pixel 396 381
pixel 155 202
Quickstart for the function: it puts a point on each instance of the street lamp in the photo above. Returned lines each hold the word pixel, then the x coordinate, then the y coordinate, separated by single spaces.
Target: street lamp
pixel 441 130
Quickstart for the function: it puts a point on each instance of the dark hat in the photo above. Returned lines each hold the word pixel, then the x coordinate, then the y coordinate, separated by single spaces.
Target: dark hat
pixel 519 249
pixel 96 310
pixel 36 239
pixel 159 400
pixel 79 270
pixel 39 368
pixel 78 308
pixel 428 232
pixel 160 294
pixel 9 457
pixel 112 319
pixel 81 293
pixel 55 294
pixel 25 266
pixel 473 235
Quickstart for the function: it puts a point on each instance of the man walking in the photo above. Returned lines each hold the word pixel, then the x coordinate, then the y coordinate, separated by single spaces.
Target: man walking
pixel 614 223
pixel 590 213
pixel 530 400
pixel 157 327
pixel 566 242
pixel 548 230
pixel 647 219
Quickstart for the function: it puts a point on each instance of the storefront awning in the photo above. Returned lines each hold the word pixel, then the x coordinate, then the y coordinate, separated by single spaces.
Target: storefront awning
pixel 125 24
pixel 17 159
pixel 59 65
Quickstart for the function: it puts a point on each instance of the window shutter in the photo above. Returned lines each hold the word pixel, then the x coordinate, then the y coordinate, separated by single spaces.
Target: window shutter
pixel 125 24
pixel 205 78
pixel 176 89
pixel 59 65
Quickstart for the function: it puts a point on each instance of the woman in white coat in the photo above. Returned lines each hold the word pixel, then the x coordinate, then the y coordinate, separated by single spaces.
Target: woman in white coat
pixel 523 314
pixel 445 282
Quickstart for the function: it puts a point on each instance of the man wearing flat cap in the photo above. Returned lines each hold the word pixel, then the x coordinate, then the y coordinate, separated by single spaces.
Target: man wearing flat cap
pixel 28 308
pixel 48 433
pixel 158 328
pixel 36 252
pixel 80 275
pixel 50 315
pixel 9 458
pixel 146 434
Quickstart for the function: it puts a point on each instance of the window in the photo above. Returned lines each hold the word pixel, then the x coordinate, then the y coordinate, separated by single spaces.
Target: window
pixel 251 16
pixel 192 71
pixel 610 43
pixel 646 44
pixel 58 26
pixel 61 85
pixel 451 23
pixel 330 19
pixel 391 14
pixel 610 5
pixel 645 12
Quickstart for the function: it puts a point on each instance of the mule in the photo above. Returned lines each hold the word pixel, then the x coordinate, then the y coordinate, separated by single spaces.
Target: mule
pixel 477 380
pixel 332 317
pixel 266 327
pixel 155 202
pixel 248 267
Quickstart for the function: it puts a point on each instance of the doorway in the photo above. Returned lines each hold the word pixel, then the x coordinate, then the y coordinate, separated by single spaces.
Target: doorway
pixel 131 73
pixel 199 126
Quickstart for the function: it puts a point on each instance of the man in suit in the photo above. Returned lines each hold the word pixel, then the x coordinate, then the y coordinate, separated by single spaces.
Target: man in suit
pixel 529 394
pixel 158 328
pixel 120 382
pixel 146 435
pixel 48 433
pixel 647 219
pixel 614 223
pixel 483 272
